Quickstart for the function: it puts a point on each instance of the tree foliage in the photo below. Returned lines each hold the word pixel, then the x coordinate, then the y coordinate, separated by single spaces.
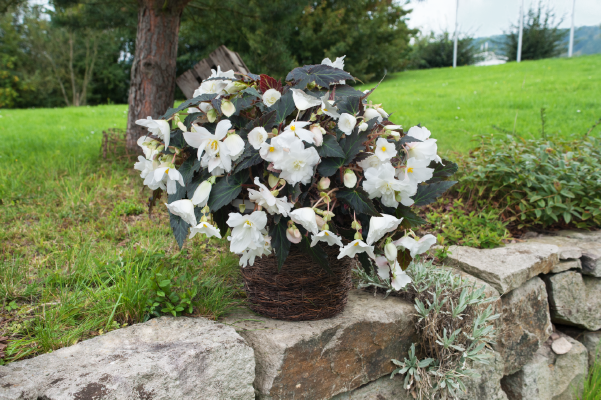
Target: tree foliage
pixel 436 51
pixel 541 36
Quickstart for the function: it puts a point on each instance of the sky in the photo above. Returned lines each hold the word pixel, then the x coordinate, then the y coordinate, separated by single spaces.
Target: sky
pixel 482 18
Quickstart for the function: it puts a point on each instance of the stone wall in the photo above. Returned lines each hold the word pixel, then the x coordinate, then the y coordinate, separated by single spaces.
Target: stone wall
pixel 549 297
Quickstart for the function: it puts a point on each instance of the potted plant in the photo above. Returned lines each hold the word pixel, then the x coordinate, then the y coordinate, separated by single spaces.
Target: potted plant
pixel 309 175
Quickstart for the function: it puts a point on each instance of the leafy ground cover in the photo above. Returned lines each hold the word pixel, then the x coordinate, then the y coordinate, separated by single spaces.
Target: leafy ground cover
pixel 457 104
pixel 78 254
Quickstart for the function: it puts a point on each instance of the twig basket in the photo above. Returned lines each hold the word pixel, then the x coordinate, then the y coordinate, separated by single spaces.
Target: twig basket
pixel 302 290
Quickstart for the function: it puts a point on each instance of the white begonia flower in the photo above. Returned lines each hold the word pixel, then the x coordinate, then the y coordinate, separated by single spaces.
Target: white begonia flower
pixel 416 247
pixel 381 111
pixel 145 166
pixel 279 146
pixel 306 218
pixel 318 133
pixel 304 101
pixel 392 127
pixel 208 109
pixel 416 171
pixel 228 108
pixel 257 136
pixel 247 231
pixel 328 107
pixel 380 226
pixel 399 280
pixel 298 164
pixel 201 194
pixel 183 209
pixel 384 150
pixel 216 86
pixel 293 235
pixel 298 128
pixel 354 247
pixel 248 257
pixel 328 237
pixel 424 150
pixel 363 127
pixel 206 229
pixel 264 198
pixel 339 63
pixel 371 113
pixel 271 96
pixel 408 189
pixel 349 178
pixel 381 182
pixel 149 146
pixel 395 135
pixel 347 123
pixel 235 145
pixel 157 127
pixel 419 132
pixel 216 153
pixel 168 174
pixel 370 162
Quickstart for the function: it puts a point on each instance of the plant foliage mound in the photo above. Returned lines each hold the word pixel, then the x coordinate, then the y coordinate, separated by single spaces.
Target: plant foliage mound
pixel 537 182
pixel 298 162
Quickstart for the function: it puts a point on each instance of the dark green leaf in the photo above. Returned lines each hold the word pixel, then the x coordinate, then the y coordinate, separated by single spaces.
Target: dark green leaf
pixel 330 148
pixel 321 74
pixel 189 167
pixel 279 241
pixel 179 228
pixel 346 90
pixel 226 189
pixel 266 120
pixel 358 200
pixel 365 263
pixel 254 159
pixel 251 90
pixel 350 105
pixel 283 107
pixel 177 139
pixel 426 194
pixel 243 102
pixel 329 166
pixel 188 103
pixel 408 139
pixel 442 171
pixel 317 253
pixel 220 217
pixel 352 145
pixel 404 258
pixel 410 219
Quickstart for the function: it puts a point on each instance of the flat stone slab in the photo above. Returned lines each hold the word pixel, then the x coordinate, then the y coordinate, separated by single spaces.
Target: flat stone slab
pixel 380 389
pixel 575 299
pixel 592 342
pixel 549 376
pixel 563 266
pixel 593 236
pixel 164 358
pixel 526 324
pixel 320 359
pixel 505 268
pixel 585 246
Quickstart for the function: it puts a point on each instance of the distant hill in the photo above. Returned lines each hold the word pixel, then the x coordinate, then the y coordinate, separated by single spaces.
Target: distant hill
pixel 587 40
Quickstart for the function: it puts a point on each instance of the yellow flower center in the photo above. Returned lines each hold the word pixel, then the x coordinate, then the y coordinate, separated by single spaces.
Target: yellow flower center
pixel 383 148
pixel 271 149
pixel 325 109
pixel 356 244
pixel 410 170
pixel 248 223
pixel 293 128
pixel 167 171
pixel 326 233
pixel 214 145
pixel 297 165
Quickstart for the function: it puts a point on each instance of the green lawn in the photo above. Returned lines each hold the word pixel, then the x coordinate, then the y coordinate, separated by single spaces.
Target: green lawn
pixel 456 104
pixel 78 252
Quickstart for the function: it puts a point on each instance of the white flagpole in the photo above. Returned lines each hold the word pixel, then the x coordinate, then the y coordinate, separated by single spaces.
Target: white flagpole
pixel 456 34
pixel 520 35
pixel 571 47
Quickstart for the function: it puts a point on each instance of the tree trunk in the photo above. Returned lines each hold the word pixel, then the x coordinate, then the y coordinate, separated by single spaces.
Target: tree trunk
pixel 153 71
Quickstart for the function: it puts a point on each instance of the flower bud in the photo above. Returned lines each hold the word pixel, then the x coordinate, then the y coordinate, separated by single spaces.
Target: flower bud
pixel 242 207
pixel 328 215
pixel 363 127
pixel 235 87
pixel 272 180
pixel 320 221
pixel 201 194
pixel 390 251
pixel 358 235
pixel 227 108
pixel 317 132
pixel 212 115
pixel 293 234
pixel 392 127
pixel 323 184
pixel 275 192
pixel 350 179
pixel 356 225
pixel 396 135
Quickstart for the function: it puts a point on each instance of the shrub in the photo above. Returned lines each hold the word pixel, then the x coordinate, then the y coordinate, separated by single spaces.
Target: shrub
pixel 454 328
pixel 537 182
pixel 436 51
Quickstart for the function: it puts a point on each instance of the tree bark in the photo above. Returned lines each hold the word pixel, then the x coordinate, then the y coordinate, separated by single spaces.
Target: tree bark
pixel 153 71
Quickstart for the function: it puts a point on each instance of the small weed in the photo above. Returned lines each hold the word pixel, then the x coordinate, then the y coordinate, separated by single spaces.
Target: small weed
pixel 11 306
pixel 127 208
pixel 592 383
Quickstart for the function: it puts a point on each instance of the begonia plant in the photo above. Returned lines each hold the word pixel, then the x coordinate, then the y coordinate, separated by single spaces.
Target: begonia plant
pixel 309 162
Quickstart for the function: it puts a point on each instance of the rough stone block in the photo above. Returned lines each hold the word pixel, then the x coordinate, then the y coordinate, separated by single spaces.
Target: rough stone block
pixel 380 389
pixel 566 266
pixel 583 245
pixel 319 359
pixel 487 386
pixel 164 358
pixel 575 299
pixel 505 268
pixel 526 324
pixel 591 261
pixel 549 376
pixel 568 248
pixel 592 342
pixel 592 236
